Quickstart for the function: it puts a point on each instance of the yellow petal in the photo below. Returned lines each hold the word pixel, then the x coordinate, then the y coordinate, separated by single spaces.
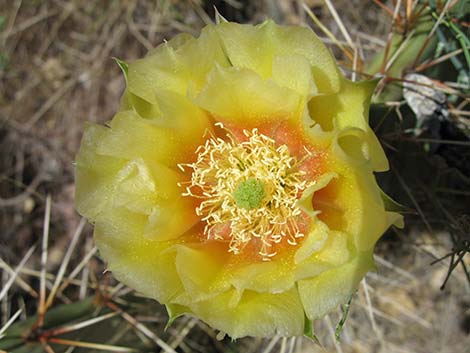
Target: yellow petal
pixel 241 96
pixel 281 274
pixel 294 72
pixel 315 240
pixel 335 251
pixel 323 293
pixel 305 202
pixel 322 250
pixel 257 314
pixel 149 267
pixel 94 174
pixel 272 277
pixel 177 112
pixel 107 183
pixel 171 66
pixel 374 220
pixel 350 109
pixel 160 69
pixel 145 109
pixel 170 219
pixel 173 214
pixel 169 215
pixel 131 136
pixel 207 52
pixel 198 270
pixel 254 48
pixel 352 202
pixel 163 140
pixel 356 208
pixel 350 144
pixel 133 188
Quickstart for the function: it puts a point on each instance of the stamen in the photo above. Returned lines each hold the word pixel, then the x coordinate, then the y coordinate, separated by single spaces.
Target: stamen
pixel 248 190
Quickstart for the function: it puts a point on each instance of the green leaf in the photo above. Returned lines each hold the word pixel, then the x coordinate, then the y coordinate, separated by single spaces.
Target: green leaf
pixel 3 61
pixel 308 330
pixel 461 9
pixel 339 326
pixel 123 66
pixel 2 22
pixel 29 348
pixel 174 311
pixel 60 315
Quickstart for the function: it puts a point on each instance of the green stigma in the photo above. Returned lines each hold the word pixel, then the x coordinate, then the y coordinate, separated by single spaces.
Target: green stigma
pixel 249 194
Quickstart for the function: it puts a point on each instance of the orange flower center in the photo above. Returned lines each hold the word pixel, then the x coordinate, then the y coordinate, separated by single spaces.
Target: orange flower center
pixel 248 191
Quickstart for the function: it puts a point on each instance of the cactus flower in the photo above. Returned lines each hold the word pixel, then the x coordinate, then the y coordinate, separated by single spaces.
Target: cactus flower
pixel 236 182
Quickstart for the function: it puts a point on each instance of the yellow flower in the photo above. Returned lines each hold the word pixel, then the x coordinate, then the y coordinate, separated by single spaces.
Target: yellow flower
pixel 236 183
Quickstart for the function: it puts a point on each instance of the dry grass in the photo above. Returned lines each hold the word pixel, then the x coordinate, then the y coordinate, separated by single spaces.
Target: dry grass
pixel 57 72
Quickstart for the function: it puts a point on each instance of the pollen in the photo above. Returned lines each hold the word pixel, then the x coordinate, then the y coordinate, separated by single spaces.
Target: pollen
pixel 248 192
